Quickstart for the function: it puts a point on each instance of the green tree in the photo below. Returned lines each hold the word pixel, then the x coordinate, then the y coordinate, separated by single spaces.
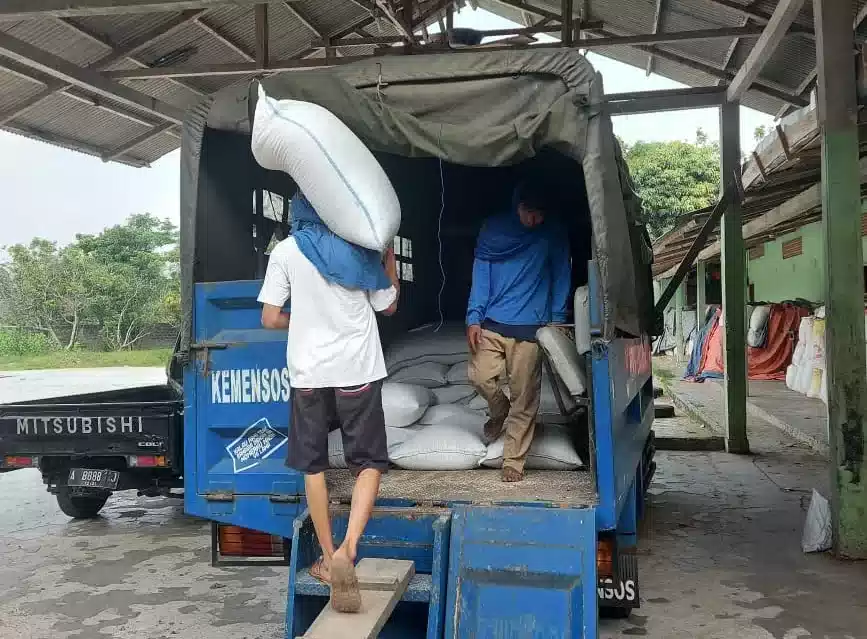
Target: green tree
pixel 139 284
pixel 125 280
pixel 673 178
pixel 44 288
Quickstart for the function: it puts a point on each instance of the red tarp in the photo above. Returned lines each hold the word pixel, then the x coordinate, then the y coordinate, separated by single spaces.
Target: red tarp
pixel 769 362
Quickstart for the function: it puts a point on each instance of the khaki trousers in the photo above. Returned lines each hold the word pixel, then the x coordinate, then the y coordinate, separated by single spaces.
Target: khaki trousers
pixel 521 363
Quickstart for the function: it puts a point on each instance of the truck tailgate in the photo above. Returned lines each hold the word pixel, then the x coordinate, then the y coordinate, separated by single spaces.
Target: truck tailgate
pixel 141 421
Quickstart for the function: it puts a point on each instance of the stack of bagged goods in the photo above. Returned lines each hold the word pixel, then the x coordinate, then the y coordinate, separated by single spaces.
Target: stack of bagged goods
pixel 806 374
pixel 435 418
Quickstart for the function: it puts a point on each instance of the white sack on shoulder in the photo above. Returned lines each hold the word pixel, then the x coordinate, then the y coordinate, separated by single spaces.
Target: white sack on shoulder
pixel 404 404
pixel 333 168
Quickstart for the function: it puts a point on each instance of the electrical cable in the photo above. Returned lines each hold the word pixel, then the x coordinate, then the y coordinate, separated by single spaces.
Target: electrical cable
pixel 440 247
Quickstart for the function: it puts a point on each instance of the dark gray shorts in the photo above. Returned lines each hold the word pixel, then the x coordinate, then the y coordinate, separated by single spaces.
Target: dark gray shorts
pixel 356 411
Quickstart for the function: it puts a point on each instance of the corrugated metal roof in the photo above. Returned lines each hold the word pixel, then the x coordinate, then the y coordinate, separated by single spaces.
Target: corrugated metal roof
pixel 101 126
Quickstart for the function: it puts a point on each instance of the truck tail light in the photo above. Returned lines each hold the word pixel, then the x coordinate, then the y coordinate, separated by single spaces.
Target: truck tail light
pixel 21 462
pixel 243 542
pixel 605 557
pixel 147 461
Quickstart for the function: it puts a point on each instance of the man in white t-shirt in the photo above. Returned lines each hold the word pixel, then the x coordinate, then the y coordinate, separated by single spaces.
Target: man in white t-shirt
pixel 336 368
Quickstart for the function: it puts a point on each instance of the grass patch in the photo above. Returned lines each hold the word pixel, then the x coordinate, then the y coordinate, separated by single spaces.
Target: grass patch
pixel 662 370
pixel 85 359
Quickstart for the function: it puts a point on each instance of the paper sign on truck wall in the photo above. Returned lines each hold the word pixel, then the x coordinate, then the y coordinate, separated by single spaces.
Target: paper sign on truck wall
pixel 257 443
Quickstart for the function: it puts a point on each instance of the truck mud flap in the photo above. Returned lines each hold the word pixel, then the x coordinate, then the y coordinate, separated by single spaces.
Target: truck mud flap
pixel 522 571
pixel 621 591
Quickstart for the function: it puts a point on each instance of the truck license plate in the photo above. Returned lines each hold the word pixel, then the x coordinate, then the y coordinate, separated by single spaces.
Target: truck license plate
pixel 88 478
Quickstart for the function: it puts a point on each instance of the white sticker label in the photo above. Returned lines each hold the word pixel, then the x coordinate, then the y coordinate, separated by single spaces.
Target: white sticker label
pixel 257 443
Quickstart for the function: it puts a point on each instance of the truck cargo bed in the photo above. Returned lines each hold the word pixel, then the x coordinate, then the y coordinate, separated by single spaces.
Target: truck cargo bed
pixel 480 486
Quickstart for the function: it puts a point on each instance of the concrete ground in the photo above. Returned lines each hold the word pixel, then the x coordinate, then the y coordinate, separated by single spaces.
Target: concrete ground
pixel 720 558
pixel 803 418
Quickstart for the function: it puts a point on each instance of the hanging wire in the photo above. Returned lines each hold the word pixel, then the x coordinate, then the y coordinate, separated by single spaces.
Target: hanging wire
pixel 440 247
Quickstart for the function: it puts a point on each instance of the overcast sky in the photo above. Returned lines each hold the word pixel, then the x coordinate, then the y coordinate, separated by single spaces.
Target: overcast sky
pixel 54 193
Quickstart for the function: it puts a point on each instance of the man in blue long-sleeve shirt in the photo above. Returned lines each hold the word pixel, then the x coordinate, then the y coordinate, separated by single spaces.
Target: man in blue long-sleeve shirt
pixel 521 281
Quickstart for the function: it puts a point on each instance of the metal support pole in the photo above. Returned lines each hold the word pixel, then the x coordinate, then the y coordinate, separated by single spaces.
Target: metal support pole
pixel 844 276
pixel 733 293
pixel 678 322
pixel 700 293
pixel 567 29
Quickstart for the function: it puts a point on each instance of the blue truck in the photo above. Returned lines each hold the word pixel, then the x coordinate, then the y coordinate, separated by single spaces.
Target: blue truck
pixel 536 559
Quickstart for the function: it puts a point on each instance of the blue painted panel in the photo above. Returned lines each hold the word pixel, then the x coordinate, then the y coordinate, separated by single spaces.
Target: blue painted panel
pixel 522 572
pixel 236 395
pixel 241 396
pixel 622 403
pixel 392 533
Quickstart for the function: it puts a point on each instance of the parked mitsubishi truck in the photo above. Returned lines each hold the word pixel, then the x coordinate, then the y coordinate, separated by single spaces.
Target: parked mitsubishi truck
pixel 88 446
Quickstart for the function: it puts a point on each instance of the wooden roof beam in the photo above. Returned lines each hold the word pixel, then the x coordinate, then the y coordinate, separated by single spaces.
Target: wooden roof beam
pixel 125 148
pixel 69 73
pixel 783 18
pixel 262 35
pixel 303 19
pixel 127 51
pixel 226 40
pixel 789 210
pixel 27 9
pixel 704 67
pixel 657 23
pixel 522 5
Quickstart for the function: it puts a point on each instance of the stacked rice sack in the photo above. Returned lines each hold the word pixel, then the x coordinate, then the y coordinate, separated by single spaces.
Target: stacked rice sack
pixel 806 374
pixel 435 419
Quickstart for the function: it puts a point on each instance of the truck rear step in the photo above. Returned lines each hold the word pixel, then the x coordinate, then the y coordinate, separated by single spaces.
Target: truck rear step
pixel 382 583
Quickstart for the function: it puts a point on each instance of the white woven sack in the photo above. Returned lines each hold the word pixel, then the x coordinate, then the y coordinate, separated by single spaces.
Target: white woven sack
pixel 455 415
pixel 805 369
pixel 564 358
pixel 440 447
pixel 459 373
pixel 791 376
pixel 427 374
pixel 758 326
pixel 551 449
pixel 478 403
pixel 458 394
pixel 333 168
pixel 581 306
pixel 337 458
pixel 448 345
pixel 404 404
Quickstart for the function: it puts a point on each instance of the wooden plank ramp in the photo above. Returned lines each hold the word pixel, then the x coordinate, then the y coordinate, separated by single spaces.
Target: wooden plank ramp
pixel 382 583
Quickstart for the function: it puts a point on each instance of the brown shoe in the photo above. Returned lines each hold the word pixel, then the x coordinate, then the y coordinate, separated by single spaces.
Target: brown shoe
pixel 511 475
pixel 493 430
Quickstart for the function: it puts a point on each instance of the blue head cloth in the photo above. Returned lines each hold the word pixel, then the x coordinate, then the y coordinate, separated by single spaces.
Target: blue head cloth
pixel 503 236
pixel 337 260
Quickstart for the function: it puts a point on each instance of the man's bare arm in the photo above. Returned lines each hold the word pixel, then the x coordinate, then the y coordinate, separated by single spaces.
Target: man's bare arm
pixel 274 317
pixel 390 263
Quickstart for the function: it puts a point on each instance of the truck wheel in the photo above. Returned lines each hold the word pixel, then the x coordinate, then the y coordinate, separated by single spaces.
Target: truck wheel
pixel 80 506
